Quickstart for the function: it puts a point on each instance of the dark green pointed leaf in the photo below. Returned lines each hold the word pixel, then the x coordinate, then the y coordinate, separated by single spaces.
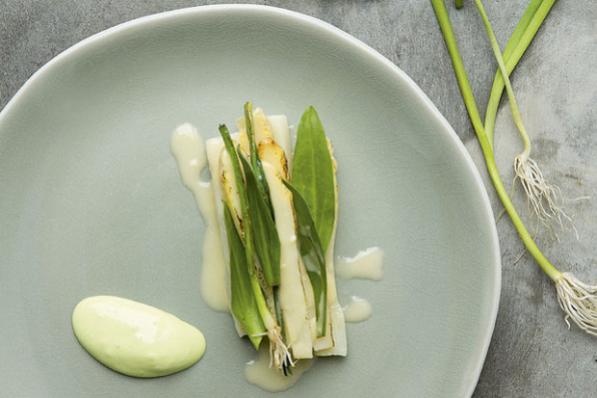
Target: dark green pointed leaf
pixel 242 193
pixel 265 235
pixel 313 174
pixel 313 256
pixel 242 301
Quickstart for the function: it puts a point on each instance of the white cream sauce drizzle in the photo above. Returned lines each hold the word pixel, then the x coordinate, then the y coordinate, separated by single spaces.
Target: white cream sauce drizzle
pixel 260 374
pixel 188 148
pixel 367 264
pixel 358 310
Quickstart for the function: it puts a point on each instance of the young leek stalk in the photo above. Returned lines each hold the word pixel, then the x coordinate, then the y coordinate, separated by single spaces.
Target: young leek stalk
pixel 542 196
pixel 242 301
pixel 266 240
pixel 520 40
pixel 577 299
pixel 290 294
pixel 280 355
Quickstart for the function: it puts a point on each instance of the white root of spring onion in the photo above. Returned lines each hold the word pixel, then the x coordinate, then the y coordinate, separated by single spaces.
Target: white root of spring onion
pixel 278 351
pixel 543 197
pixel 579 301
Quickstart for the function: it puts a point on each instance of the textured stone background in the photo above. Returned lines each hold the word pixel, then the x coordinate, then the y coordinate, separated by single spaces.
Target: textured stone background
pixel 532 353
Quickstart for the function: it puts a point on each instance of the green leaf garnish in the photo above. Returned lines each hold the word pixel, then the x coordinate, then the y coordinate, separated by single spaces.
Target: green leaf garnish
pixel 242 301
pixel 242 193
pixel 268 319
pixel 265 235
pixel 313 174
pixel 313 256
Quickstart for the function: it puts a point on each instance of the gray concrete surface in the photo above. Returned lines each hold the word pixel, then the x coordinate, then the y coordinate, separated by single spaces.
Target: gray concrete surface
pixel 532 354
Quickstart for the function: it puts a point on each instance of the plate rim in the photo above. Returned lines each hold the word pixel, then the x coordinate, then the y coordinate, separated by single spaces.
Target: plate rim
pixel 369 52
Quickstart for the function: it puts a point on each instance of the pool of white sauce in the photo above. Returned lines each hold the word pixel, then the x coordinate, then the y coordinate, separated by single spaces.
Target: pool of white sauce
pixel 367 264
pixel 357 310
pixel 260 374
pixel 189 150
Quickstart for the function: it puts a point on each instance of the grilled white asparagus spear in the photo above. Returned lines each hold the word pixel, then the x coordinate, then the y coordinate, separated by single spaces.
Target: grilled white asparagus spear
pixel 292 297
pixel 337 326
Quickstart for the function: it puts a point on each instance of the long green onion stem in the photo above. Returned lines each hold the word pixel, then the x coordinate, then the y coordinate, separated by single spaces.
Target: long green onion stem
pixel 577 299
pixel 541 196
pixel 266 316
pixel 511 97
pixel 279 352
pixel 520 40
pixel 486 146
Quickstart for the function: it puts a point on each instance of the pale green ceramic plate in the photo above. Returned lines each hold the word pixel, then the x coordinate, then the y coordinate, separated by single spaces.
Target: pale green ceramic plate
pixel 91 203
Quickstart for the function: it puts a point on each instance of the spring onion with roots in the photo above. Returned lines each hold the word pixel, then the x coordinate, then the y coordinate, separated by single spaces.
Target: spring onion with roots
pixel 521 38
pixel 577 299
pixel 280 356
pixel 542 196
pixel 279 229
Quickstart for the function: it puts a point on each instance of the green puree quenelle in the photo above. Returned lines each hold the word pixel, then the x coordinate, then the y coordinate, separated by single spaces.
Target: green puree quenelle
pixel 136 339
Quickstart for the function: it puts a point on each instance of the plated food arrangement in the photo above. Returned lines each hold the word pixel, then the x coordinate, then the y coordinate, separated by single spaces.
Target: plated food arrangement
pixel 271 215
